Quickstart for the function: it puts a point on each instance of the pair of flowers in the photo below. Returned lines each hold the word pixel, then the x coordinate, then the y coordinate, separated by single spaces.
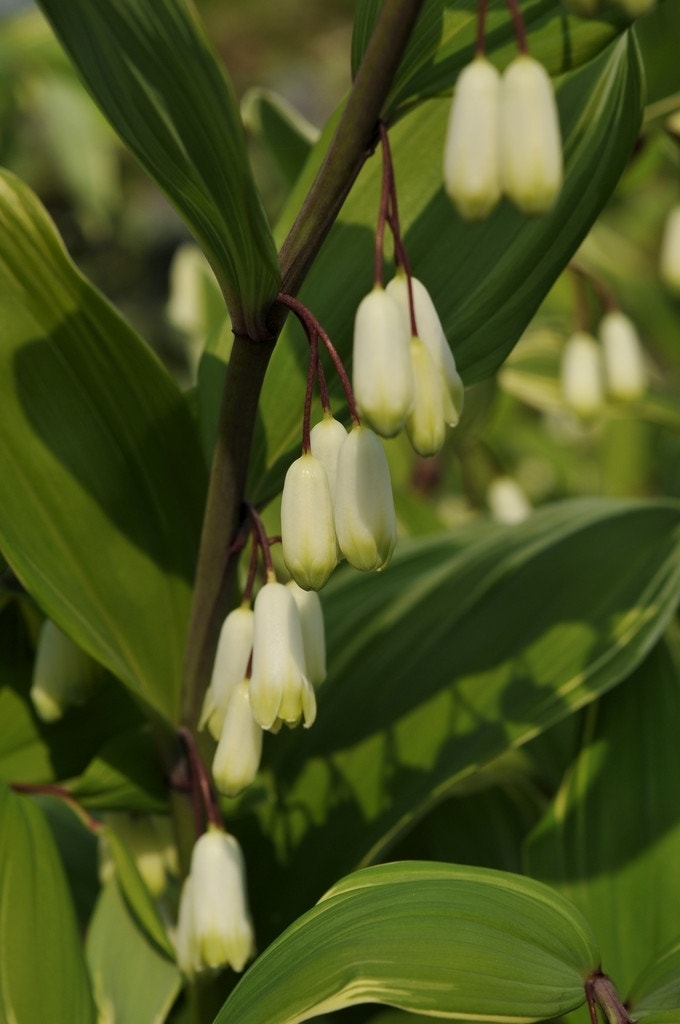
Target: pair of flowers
pixel 615 363
pixel 404 373
pixel 503 137
pixel 268 660
pixel 337 501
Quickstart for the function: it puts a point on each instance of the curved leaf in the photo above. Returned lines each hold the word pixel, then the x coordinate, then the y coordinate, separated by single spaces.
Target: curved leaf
pixel 445 35
pixel 450 941
pixel 151 70
pixel 42 970
pixel 487 279
pixel 137 895
pixel 624 877
pixel 657 989
pixel 450 658
pixel 132 982
pixel 125 775
pixel 101 474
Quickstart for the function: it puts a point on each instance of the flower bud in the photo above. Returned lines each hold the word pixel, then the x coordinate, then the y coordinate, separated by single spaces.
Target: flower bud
pixel 471 163
pixel 581 376
pixel 214 926
pixel 231 664
pixel 507 501
pixel 278 686
pixel 530 144
pixel 364 508
pixel 431 332
pixel 325 439
pixel 239 750
pixel 382 380
pixel 145 844
pixel 624 365
pixel 313 632
pixel 669 262
pixel 63 674
pixel 307 530
pixel 425 424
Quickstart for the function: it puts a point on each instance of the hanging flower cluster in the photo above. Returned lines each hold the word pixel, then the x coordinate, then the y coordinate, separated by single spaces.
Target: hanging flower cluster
pixel 404 373
pixel 503 135
pixel 269 658
pixel 613 363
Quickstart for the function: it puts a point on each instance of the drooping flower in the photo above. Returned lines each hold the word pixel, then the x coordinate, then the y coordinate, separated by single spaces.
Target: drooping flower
pixel 471 162
pixel 581 374
pixel 431 332
pixel 231 664
pixel 425 424
pixel 63 674
pixel 669 260
pixel 382 379
pixel 214 928
pixel 239 750
pixel 326 438
pixel 365 521
pixel 624 366
pixel 307 530
pixel 279 688
pixel 530 142
pixel 313 632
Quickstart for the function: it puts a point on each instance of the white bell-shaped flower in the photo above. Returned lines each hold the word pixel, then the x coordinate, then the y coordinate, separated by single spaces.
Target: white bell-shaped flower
pixel 624 365
pixel 313 631
pixel 530 141
pixel 431 332
pixel 63 674
pixel 425 424
pixel 669 260
pixel 581 374
pixel 471 162
pixel 214 928
pixel 279 688
pixel 239 750
pixel 365 520
pixel 231 664
pixel 382 379
pixel 307 530
pixel 326 438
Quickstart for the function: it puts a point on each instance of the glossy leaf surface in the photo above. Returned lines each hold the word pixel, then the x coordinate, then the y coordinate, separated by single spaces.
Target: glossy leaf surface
pixel 42 975
pixel 151 70
pixel 451 941
pixel 611 839
pixel 422 690
pixel 101 475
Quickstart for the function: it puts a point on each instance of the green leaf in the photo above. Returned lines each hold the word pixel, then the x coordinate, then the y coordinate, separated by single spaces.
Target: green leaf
pixel 125 775
pixel 448 940
pixel 101 474
pixel 132 982
pixel 151 70
pixel 445 35
pixel 285 133
pixel 137 895
pixel 78 849
pixel 32 751
pixel 657 989
pixel 487 279
pixel 611 838
pixel 42 969
pixel 450 658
